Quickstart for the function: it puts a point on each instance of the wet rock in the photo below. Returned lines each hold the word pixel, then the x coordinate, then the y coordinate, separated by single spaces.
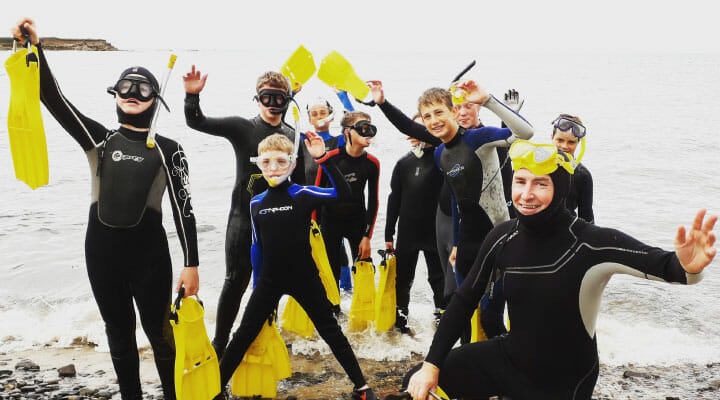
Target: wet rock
pixel 28 388
pixel 87 392
pixel 5 373
pixel 715 385
pixel 27 365
pixel 672 398
pixel 67 371
pixel 636 374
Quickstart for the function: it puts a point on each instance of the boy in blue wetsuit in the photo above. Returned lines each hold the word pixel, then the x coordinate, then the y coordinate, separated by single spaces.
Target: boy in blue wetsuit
pixel 470 166
pixel 281 254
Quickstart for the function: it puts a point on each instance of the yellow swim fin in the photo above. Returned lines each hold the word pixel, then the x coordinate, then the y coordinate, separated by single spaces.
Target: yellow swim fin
pixel 362 309
pixel 25 125
pixel 385 300
pixel 478 334
pixel 197 372
pixel 295 319
pixel 320 257
pixel 336 71
pixel 265 362
pixel 299 67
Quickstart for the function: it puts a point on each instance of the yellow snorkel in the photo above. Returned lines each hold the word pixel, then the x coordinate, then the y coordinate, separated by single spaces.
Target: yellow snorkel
pixel 150 142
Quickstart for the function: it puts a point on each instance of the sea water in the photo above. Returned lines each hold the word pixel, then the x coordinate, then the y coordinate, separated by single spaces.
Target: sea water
pixel 652 148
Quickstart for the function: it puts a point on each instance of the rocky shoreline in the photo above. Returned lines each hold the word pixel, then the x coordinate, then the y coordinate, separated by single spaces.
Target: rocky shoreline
pixel 53 43
pixel 83 374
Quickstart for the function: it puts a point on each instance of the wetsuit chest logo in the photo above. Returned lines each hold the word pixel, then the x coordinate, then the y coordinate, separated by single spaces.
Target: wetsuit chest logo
pixel 118 156
pixel 351 177
pixel 275 210
pixel 455 170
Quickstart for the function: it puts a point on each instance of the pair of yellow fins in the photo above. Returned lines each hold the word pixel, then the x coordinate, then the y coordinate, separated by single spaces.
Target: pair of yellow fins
pixel 334 70
pixel 25 126
pixel 369 304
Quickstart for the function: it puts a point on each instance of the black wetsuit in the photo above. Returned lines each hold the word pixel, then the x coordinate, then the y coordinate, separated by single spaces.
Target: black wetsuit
pixel 244 135
pixel 414 198
pixel 445 241
pixel 581 194
pixel 477 191
pixel 350 219
pixel 281 249
pixel 554 276
pixel 126 248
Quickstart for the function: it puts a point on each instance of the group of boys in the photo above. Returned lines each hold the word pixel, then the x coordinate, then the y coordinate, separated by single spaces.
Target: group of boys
pixel 452 150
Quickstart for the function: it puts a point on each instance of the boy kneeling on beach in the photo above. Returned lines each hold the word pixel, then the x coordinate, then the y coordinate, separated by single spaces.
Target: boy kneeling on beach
pixel 281 254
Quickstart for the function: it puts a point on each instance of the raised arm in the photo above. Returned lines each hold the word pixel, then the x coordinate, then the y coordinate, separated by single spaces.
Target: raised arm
pixel 399 120
pixel 393 206
pixel 194 117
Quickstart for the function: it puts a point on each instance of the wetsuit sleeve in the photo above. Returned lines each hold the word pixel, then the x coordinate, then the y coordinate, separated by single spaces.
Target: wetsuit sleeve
pixel 467 297
pixel 585 200
pixel 621 253
pixel 345 100
pixel 227 127
pixel 87 132
pixel 394 200
pixel 406 125
pixel 373 202
pixel 520 128
pixel 255 248
pixel 339 188
pixel 178 183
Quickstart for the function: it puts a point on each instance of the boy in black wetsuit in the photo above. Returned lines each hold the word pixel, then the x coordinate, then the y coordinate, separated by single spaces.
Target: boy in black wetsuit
pixel 414 199
pixel 281 250
pixel 470 165
pixel 351 219
pixel 568 131
pixel 555 268
pixel 126 248
pixel 273 91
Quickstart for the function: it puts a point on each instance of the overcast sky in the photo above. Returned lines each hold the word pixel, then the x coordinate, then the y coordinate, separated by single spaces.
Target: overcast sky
pixel 388 25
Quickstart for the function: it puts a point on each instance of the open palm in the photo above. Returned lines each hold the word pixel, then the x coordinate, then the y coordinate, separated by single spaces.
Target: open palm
pixel 194 81
pixel 695 249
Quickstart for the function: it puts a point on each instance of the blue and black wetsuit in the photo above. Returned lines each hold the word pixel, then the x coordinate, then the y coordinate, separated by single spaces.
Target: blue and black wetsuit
pixel 581 194
pixel 244 135
pixel 350 218
pixel 413 199
pixel 554 272
pixel 281 250
pixel 126 248
pixel 471 167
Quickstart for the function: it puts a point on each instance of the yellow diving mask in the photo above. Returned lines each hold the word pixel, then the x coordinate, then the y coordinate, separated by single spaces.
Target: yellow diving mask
pixel 540 159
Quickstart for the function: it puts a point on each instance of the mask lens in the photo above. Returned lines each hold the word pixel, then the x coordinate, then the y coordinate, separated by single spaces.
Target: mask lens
pixel 273 163
pixel 146 89
pixel 265 100
pixel 123 86
pixel 365 129
pixel 272 98
pixel 542 154
pixel 566 124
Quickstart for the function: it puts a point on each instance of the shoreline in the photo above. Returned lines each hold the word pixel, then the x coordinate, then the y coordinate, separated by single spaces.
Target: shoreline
pixel 321 377
pixel 54 43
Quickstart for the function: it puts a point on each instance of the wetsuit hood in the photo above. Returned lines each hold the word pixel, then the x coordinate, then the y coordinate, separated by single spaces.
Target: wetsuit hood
pixel 547 219
pixel 143 119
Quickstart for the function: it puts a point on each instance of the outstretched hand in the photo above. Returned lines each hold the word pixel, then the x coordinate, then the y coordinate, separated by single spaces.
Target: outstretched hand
pixel 314 144
pixel 29 25
pixel 695 249
pixel 376 89
pixel 513 100
pixel 475 94
pixel 194 83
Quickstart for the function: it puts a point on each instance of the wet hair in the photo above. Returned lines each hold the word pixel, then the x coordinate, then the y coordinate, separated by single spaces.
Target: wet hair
pixel 353 116
pixel 566 116
pixel 276 142
pixel 435 95
pixel 274 79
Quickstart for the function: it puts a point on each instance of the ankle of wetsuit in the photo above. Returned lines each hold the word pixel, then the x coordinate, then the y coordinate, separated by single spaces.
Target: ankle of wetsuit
pixel 517 124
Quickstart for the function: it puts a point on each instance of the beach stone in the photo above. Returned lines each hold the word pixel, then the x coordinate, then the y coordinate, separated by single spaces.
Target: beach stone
pixel 105 395
pixel 67 371
pixel 636 374
pixel 5 373
pixel 27 365
pixel 672 398
pixel 28 388
pixel 9 387
pixel 87 392
pixel 715 385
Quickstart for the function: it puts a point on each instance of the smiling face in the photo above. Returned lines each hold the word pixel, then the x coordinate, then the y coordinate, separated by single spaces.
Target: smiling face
pixel 439 120
pixel 531 193
pixel 467 114
pixel 565 141
pixel 277 168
